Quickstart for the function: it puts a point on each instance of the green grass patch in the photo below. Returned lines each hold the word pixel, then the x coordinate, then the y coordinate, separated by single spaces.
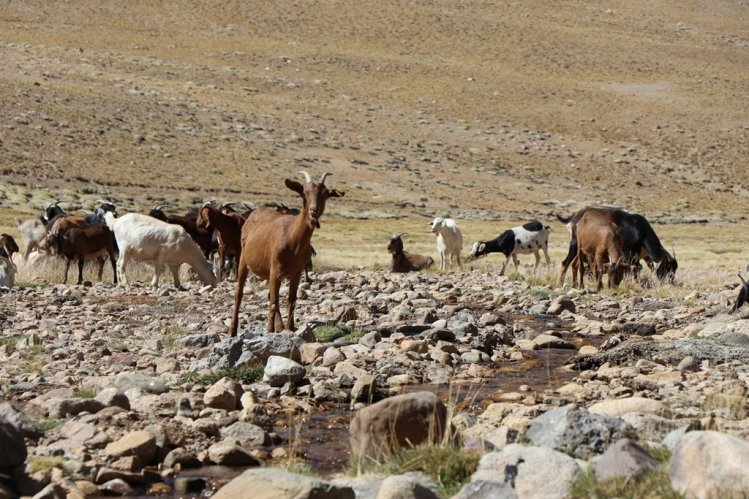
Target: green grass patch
pixel 50 424
pixel 84 393
pixel 10 340
pixel 243 374
pixel 654 484
pixel 325 334
pixel 450 467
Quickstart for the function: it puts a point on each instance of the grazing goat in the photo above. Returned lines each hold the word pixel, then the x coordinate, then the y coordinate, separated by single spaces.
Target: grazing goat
pixel 639 241
pixel 146 239
pixel 203 237
pixel 449 241
pixel 600 245
pixel 7 273
pixel 8 246
pixel 85 243
pixel 228 227
pixel 276 247
pixel 404 261
pixel 523 240
pixel 34 235
pixel 743 295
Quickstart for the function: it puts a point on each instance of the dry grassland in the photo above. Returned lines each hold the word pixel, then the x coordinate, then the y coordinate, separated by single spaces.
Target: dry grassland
pixel 491 112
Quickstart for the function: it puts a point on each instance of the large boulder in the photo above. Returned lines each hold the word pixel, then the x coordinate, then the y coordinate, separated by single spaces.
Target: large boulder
pixel 404 420
pixel 576 431
pixel 13 447
pixel 708 464
pixel 273 483
pixel 622 460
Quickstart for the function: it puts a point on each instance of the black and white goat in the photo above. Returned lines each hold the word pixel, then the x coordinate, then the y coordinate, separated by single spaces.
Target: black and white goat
pixel 523 240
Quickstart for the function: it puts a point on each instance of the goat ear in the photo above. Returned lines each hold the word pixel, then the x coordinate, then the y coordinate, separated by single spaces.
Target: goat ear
pixel 295 186
pixel 335 193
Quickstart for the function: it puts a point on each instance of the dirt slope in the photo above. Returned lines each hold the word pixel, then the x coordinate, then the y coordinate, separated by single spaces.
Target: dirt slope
pixel 473 108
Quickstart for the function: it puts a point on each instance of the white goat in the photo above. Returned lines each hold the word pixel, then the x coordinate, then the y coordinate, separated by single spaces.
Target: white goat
pixel 34 235
pixel 522 240
pixel 449 241
pixel 146 239
pixel 7 273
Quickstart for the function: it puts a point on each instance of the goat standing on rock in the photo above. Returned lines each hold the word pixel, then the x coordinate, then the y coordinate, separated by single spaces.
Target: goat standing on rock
pixel 449 241
pixel 276 246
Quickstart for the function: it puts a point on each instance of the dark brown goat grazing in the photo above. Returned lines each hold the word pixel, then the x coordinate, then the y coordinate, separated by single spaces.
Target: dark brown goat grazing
pixel 85 243
pixel 404 261
pixel 228 227
pixel 189 222
pixel 8 246
pixel 600 244
pixel 276 246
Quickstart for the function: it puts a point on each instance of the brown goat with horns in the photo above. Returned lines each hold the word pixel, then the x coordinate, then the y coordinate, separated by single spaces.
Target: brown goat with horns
pixel 276 246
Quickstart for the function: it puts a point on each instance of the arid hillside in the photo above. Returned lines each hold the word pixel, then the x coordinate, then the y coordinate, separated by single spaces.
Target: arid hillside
pixel 479 109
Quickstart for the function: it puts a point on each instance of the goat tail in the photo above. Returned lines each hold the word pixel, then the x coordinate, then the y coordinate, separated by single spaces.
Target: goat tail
pixel 564 220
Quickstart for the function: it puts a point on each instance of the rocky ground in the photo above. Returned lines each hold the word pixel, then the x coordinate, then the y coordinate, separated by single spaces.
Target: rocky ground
pixel 109 388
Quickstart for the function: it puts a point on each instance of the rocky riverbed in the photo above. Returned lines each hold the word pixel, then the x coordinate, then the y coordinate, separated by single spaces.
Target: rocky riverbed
pixel 121 392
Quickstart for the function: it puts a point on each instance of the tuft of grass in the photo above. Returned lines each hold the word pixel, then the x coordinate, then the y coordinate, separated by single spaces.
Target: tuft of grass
pixel 10 340
pixel 50 424
pixel 325 334
pixel 450 467
pixel 44 463
pixel 354 335
pixel 654 484
pixel 84 393
pixel 729 403
pixel 243 374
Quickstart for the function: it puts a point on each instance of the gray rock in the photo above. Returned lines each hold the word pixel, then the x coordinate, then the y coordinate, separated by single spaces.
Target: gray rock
pixel 228 453
pixel 560 304
pixel 405 487
pixel 463 323
pixel 224 394
pixel 21 421
pixel 13 447
pixel 60 408
pixel 708 464
pixel 136 443
pixel 369 340
pixel 273 483
pixel 129 380
pixel 113 397
pixel 246 433
pixel 281 370
pixel 264 345
pixel 623 459
pixel 183 458
pixel 364 389
pixel 576 431
pixel 530 471
pixel 486 489
pixel 197 340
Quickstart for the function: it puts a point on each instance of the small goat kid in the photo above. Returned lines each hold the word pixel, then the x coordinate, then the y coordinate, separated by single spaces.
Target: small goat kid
pixel 276 246
pixel 449 241
pixel 228 226
pixel 404 261
pixel 600 245
pixel 522 240
pixel 146 239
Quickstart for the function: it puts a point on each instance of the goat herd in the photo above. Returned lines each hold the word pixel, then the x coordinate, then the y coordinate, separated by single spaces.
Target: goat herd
pixel 274 243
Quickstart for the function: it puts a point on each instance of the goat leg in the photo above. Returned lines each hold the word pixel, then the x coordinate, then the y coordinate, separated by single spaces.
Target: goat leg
pixel 80 270
pixel 293 286
pixel 242 273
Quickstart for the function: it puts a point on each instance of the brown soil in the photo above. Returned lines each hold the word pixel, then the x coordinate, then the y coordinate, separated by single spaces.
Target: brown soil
pixel 471 108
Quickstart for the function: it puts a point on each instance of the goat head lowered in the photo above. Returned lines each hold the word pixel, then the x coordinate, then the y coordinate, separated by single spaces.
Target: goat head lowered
pixel 276 247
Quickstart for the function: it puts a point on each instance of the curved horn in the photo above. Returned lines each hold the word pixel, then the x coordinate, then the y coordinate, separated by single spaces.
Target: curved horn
pixel 323 176
pixel 307 177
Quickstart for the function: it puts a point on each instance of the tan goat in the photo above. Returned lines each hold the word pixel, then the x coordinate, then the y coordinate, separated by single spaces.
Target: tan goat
pixel 276 247
pixel 600 245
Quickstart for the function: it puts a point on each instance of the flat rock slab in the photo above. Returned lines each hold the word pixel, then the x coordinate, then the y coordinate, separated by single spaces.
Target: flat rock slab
pixel 272 483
